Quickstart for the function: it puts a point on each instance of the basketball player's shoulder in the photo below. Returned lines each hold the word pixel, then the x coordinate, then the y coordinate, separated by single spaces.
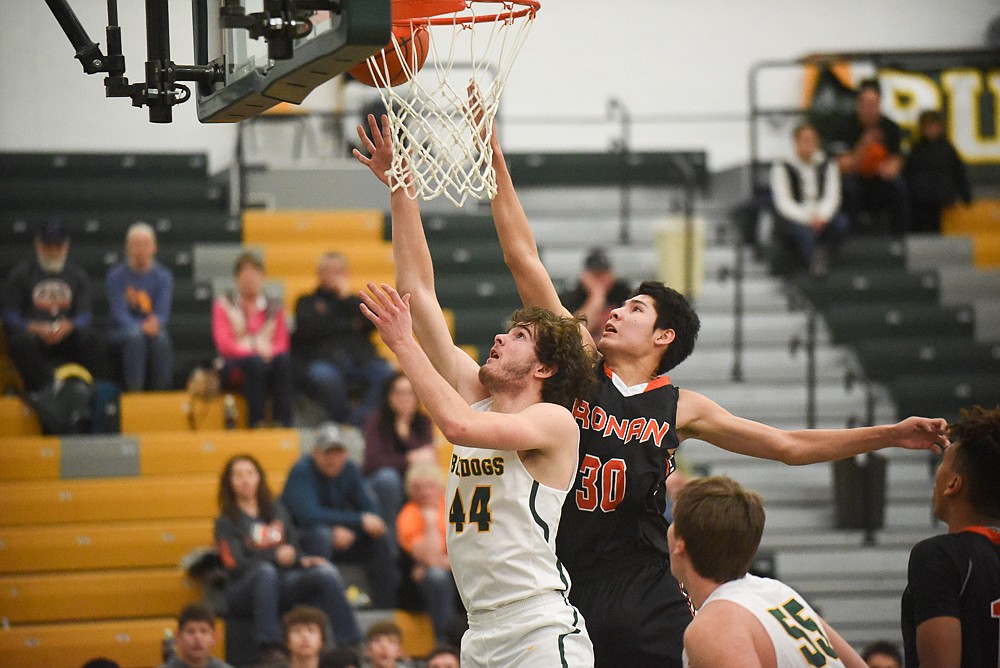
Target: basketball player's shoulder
pixel 721 619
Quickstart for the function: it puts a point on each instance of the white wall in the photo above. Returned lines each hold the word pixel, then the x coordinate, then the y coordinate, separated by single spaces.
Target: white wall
pixel 657 56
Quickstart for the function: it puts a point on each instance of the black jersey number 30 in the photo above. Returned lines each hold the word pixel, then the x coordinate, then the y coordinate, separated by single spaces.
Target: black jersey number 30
pixel 602 484
pixel 479 509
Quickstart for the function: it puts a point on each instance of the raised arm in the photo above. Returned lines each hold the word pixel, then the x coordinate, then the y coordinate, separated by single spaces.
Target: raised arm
pixel 414 268
pixel 541 426
pixel 518 243
pixel 700 417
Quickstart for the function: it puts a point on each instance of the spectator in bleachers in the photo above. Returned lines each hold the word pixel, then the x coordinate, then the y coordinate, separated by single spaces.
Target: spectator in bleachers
pixel 715 534
pixel 935 174
pixel 597 292
pixel 139 296
pixel 338 517
pixel 444 656
pixel 195 640
pixel 333 348
pixel 882 654
pixel 47 312
pixel 305 636
pixel 949 607
pixel 101 662
pixel 806 193
pixel 397 434
pixel 251 336
pixel 422 530
pixel 868 147
pixel 266 569
pixel 384 648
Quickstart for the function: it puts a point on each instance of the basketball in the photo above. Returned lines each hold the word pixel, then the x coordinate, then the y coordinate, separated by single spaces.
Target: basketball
pixel 413 48
pixel 872 158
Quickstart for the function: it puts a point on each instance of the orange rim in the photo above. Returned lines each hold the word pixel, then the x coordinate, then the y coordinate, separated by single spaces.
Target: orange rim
pixel 429 12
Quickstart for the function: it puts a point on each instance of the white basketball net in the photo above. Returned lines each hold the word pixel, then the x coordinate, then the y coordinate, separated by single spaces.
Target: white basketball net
pixel 444 143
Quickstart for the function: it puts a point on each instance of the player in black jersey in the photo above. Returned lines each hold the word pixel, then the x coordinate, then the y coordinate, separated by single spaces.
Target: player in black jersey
pixel 951 606
pixel 612 538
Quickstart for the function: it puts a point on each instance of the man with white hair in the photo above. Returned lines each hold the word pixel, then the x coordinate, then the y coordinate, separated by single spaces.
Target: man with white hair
pixel 47 312
pixel 139 296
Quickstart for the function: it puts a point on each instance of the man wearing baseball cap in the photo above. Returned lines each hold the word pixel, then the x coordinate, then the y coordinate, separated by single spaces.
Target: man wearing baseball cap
pixel 337 516
pixel 47 312
pixel 598 291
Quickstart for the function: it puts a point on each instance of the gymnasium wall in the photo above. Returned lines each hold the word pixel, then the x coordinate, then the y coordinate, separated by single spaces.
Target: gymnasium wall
pixel 687 60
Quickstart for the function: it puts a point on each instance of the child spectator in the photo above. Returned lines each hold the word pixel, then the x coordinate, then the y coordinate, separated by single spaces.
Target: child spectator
pixel 421 528
pixel 251 336
pixel 935 174
pixel 139 295
pixel 305 636
pixel 882 654
pixel 384 648
pixel 444 656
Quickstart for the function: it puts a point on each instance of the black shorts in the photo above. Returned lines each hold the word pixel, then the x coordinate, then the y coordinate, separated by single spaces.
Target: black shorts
pixel 636 616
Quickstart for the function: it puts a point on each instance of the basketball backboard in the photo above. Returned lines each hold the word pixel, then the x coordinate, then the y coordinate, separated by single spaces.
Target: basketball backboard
pixel 254 81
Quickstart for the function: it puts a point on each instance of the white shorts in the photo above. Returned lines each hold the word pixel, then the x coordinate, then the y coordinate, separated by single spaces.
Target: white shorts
pixel 544 631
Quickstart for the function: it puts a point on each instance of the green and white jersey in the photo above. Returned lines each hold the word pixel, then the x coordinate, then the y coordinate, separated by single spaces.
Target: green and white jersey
pixel 502 526
pixel 799 639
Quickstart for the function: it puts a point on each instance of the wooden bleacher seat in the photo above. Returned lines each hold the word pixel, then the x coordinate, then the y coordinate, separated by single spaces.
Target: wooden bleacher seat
pixel 983 215
pixel 29 458
pixel 145 412
pixel 986 250
pixel 134 643
pixel 291 258
pixel 182 453
pixel 339 226
pixel 76 547
pixel 17 419
pixel 418 632
pixel 94 595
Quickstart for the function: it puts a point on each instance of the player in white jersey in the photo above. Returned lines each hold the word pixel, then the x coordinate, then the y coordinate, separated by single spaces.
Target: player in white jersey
pixel 515 455
pixel 742 620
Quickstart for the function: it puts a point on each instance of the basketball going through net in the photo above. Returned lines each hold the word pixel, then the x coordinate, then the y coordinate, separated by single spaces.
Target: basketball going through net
pixel 440 50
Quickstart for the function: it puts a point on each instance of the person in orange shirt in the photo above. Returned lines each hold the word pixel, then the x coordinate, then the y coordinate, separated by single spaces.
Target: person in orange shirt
pixel 420 530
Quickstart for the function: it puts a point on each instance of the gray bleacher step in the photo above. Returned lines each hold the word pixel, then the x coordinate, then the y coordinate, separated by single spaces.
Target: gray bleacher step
pixel 908 514
pixel 759 293
pixel 783 401
pixel 796 539
pixel 935 251
pixel 873 608
pixel 774 363
pixel 987 320
pixel 842 563
pixel 959 285
pixel 768 328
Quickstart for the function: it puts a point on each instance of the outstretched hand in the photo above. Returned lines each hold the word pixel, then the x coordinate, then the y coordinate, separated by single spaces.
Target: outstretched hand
pixel 918 433
pixel 389 312
pixel 378 146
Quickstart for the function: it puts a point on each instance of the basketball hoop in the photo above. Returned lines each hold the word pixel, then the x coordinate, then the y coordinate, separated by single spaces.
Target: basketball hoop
pixel 443 141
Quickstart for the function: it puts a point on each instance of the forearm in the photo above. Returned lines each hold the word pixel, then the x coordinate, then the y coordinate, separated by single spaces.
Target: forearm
pixel 448 410
pixel 517 241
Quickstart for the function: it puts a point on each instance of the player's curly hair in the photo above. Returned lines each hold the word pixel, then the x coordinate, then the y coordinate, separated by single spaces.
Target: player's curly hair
pixel 978 456
pixel 558 344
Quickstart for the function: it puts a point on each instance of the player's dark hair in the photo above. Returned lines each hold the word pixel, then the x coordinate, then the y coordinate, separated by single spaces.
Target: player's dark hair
pixel 304 615
pixel 227 495
pixel 673 311
pixel 195 612
pixel 977 458
pixel 721 524
pixel 558 344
